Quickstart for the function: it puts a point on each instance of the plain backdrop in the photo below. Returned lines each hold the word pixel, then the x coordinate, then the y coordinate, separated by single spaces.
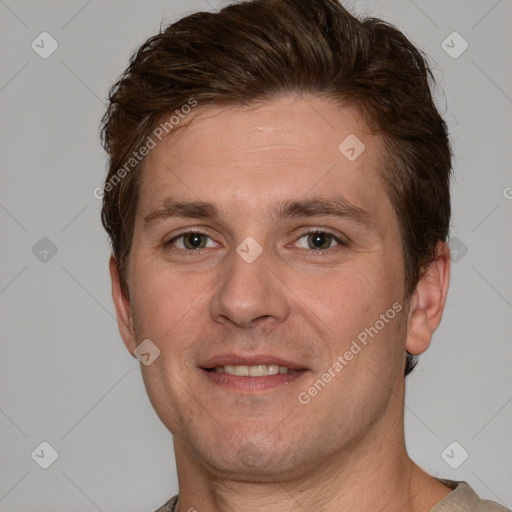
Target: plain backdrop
pixel 65 376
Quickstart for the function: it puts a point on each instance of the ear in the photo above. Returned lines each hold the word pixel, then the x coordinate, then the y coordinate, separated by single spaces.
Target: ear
pixel 428 301
pixel 123 309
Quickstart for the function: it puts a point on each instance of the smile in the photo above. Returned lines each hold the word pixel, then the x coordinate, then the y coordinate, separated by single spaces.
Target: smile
pixel 258 370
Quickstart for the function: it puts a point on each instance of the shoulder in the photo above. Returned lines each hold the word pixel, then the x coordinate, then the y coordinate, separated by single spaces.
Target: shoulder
pixel 464 499
pixel 169 505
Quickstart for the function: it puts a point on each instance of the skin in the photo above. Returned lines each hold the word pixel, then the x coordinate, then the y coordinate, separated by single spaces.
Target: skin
pixel 243 451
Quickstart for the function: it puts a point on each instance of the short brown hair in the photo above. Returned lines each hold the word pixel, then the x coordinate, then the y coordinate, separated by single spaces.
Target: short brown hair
pixel 255 50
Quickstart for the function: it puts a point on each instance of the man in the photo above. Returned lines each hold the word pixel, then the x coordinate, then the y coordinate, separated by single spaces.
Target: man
pixel 278 204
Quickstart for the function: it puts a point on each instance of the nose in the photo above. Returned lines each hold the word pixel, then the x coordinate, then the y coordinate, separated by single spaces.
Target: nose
pixel 250 293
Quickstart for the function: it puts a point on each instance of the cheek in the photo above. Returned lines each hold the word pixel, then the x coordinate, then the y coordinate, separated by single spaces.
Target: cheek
pixel 163 301
pixel 351 298
pixel 350 304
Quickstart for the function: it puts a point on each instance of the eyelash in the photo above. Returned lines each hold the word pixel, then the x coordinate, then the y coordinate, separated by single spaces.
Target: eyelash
pixel 198 252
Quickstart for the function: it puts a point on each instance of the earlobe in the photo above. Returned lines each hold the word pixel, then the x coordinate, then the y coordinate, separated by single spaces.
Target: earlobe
pixel 123 309
pixel 428 301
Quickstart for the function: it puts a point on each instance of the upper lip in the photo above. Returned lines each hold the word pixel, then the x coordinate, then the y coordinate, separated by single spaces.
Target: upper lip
pixel 250 360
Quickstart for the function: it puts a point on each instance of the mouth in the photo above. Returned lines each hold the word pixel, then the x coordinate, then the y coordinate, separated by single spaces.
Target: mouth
pixel 251 374
pixel 258 370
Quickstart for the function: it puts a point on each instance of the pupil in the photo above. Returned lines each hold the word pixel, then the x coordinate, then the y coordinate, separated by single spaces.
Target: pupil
pixel 319 240
pixel 194 240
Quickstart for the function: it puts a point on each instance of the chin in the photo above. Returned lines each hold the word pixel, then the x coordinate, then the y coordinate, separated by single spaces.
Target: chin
pixel 251 457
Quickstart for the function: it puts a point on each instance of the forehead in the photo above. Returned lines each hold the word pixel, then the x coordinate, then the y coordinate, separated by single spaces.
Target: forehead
pixel 248 157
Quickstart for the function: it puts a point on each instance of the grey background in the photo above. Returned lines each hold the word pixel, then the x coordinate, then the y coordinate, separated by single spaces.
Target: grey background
pixel 65 375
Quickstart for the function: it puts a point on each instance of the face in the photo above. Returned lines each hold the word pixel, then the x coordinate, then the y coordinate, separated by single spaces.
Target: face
pixel 261 249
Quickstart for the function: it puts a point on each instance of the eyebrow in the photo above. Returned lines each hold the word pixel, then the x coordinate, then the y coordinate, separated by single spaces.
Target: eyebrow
pixel 336 206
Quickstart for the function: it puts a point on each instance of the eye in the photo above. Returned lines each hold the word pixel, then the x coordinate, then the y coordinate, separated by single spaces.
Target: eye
pixel 319 240
pixel 190 241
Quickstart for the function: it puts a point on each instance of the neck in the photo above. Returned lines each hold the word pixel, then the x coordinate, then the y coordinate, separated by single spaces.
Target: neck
pixel 373 473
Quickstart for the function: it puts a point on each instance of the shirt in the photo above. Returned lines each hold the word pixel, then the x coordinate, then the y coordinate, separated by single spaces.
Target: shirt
pixel 461 499
pixel 464 499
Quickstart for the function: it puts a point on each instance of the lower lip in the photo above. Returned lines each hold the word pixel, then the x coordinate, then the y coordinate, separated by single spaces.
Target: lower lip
pixel 252 384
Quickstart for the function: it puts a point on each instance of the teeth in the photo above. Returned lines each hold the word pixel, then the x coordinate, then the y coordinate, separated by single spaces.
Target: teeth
pixel 242 371
pixel 273 369
pixel 259 370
